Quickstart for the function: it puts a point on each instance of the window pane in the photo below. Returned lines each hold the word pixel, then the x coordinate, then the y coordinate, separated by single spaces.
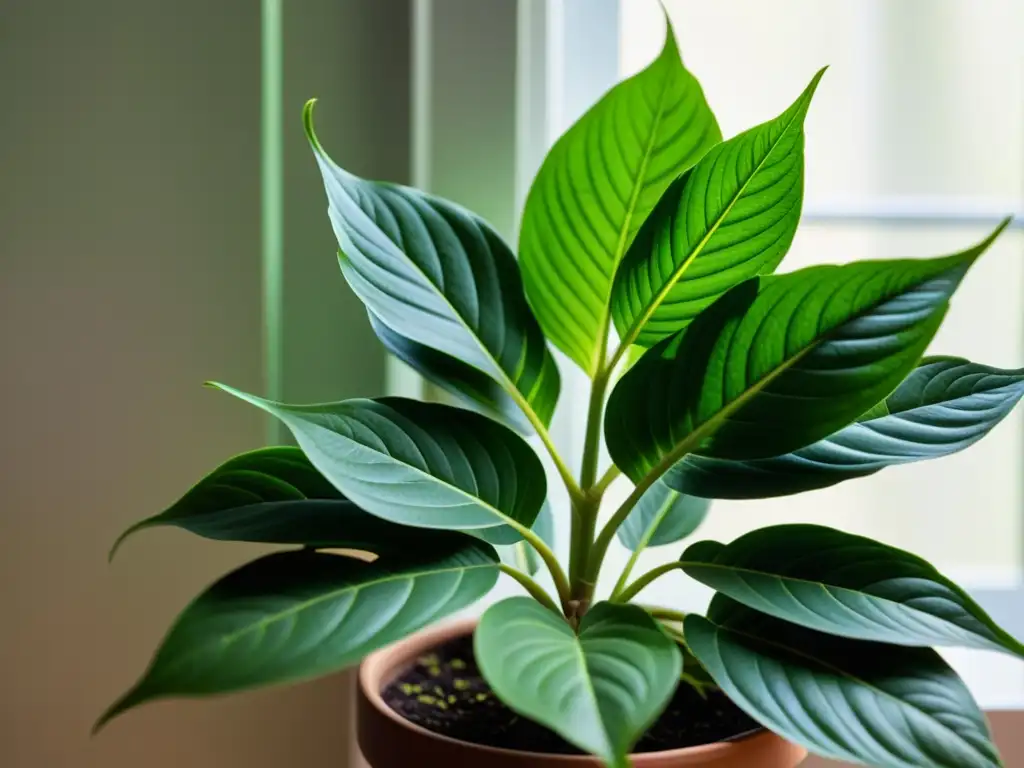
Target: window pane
pixel 922 98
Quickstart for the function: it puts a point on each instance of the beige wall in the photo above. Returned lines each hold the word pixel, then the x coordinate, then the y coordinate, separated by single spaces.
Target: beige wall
pixel 130 273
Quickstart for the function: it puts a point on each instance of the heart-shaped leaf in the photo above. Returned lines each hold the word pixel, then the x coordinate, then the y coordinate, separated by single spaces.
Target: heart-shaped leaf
pixel 296 615
pixel 473 387
pixel 420 464
pixel 440 276
pixel 944 406
pixel 780 362
pixel 662 516
pixel 731 217
pixel 880 705
pixel 596 186
pixel 276 496
pixel 600 689
pixel 845 585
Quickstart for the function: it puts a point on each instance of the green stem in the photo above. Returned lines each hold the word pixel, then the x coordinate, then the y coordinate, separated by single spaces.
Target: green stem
pixel 624 576
pixel 536 591
pixel 640 584
pixel 542 432
pixel 666 614
pixel 549 558
pixel 584 524
pixel 592 441
pixel 609 477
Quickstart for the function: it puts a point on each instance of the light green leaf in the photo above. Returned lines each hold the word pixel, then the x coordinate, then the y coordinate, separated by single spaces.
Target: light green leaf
pixel 886 706
pixel 944 406
pixel 845 585
pixel 438 275
pixel 662 516
pixel 596 186
pixel 475 388
pixel 780 362
pixel 297 615
pixel 421 464
pixel 729 218
pixel 276 496
pixel 599 690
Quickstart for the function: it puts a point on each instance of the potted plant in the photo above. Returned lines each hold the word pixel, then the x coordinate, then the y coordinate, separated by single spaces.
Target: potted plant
pixel 723 380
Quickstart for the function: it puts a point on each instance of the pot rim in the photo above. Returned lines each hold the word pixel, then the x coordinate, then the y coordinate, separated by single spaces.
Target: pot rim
pixel 381 667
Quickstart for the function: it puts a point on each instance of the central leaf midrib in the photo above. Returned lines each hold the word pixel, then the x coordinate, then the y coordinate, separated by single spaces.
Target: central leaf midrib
pixel 846 675
pixel 637 326
pixel 620 247
pixel 581 657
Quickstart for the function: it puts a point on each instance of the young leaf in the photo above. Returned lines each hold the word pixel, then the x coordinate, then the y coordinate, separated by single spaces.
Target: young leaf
pixel 600 689
pixel 440 276
pixel 596 186
pixel 475 388
pixel 296 615
pixel 881 705
pixel 944 406
pixel 780 362
pixel 662 516
pixel 729 218
pixel 845 585
pixel 420 464
pixel 276 496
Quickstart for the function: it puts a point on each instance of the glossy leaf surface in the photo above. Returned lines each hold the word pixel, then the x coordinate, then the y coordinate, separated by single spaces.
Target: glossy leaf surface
pixel 600 689
pixel 440 276
pixel 729 218
pixel 662 516
pixel 780 362
pixel 296 615
pixel 276 496
pixel 944 406
pixel 421 464
pixel 885 706
pixel 845 585
pixel 596 186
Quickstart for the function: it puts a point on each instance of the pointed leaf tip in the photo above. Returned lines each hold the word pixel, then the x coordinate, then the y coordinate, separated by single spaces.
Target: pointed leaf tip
pixel 307 124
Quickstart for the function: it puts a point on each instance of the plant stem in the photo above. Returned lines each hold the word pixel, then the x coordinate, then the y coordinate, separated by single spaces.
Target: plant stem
pixel 549 558
pixel 609 477
pixel 637 586
pixel 542 432
pixel 624 576
pixel 592 441
pixel 536 591
pixel 666 614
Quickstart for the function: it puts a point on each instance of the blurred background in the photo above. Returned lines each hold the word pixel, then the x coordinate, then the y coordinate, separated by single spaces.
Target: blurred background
pixel 162 223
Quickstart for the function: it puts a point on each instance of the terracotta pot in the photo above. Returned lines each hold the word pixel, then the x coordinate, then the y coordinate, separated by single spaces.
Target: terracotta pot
pixel 388 740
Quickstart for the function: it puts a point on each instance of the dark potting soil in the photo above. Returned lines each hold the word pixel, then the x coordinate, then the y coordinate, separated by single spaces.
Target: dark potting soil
pixel 445 693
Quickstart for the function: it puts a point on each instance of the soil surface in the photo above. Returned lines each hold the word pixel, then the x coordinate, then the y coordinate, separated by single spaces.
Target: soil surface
pixel 445 693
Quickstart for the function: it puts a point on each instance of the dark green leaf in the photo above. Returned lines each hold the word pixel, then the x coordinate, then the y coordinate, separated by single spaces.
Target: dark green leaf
pixel 475 388
pixel 781 361
pixel 845 585
pixel 599 690
pixel 881 705
pixel 944 406
pixel 276 496
pixel 421 464
pixel 662 516
pixel 296 615
pixel 729 218
pixel 438 275
pixel 595 188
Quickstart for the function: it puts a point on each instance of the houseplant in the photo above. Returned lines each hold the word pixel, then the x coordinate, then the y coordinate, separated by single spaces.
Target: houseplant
pixel 725 381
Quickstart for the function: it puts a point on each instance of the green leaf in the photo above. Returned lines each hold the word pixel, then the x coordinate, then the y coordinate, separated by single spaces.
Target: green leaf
pixel 944 406
pixel 599 690
pixel 880 705
pixel 296 615
pixel 276 496
pixel 522 555
pixel 780 362
pixel 729 218
pixel 595 188
pixel 420 464
pixel 475 388
pixel 845 585
pixel 440 276
pixel 662 516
